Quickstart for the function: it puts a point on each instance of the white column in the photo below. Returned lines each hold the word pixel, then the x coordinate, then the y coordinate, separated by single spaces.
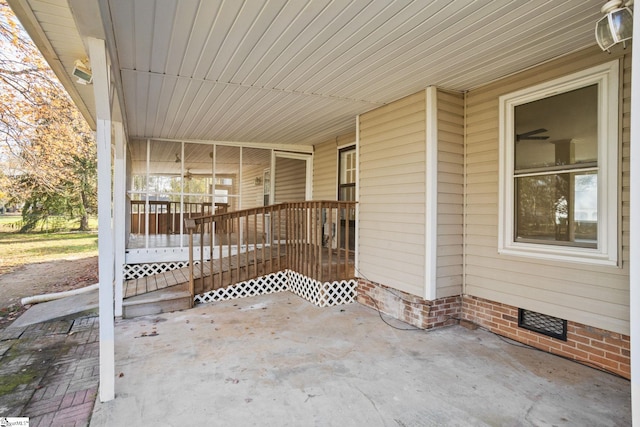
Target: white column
pixel 634 241
pixel 308 192
pixel 431 197
pixel 99 67
pixel 119 212
pixel 356 258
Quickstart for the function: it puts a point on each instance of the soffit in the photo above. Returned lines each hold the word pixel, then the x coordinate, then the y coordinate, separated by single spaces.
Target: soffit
pixel 52 27
pixel 298 72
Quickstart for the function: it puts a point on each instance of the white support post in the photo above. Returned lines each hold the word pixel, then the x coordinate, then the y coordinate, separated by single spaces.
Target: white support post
pixel 99 67
pixel 308 193
pixel 431 196
pixel 634 221
pixel 356 258
pixel 119 212
pixel 272 183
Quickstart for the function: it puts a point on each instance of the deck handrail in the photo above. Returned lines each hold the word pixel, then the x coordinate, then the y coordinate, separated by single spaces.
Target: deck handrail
pixel 314 238
pixel 164 217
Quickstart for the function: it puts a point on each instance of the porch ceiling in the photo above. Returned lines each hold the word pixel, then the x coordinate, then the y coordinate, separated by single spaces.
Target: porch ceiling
pixel 297 72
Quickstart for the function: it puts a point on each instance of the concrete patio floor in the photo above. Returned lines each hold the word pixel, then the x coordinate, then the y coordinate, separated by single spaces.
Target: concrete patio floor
pixel 277 360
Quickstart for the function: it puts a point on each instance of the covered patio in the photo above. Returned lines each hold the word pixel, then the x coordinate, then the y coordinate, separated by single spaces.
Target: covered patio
pixel 409 110
pixel 240 365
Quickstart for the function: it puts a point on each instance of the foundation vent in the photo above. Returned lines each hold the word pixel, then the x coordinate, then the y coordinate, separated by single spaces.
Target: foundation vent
pixel 542 324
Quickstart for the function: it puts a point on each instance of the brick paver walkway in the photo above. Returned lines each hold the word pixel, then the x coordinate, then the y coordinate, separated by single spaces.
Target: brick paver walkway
pixel 49 371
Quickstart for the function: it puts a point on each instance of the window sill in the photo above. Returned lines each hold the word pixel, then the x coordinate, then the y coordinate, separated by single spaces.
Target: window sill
pixel 561 254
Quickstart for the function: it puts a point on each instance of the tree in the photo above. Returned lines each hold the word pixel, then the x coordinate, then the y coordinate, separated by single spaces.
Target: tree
pixel 42 134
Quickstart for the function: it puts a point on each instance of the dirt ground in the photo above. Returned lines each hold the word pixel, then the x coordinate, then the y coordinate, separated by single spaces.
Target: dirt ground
pixel 43 278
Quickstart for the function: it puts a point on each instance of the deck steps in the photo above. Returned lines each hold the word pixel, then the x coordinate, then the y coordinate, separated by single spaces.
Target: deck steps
pixel 165 300
pixel 169 290
pixel 157 293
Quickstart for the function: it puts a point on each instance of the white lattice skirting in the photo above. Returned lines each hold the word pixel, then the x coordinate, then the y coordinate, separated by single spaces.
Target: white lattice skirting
pixel 321 294
pixel 276 282
pixel 136 271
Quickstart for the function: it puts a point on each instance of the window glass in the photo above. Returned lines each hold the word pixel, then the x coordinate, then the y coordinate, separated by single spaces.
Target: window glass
pixel 557 131
pixel 347 174
pixel 560 208
pixel 559 164
pixel 555 169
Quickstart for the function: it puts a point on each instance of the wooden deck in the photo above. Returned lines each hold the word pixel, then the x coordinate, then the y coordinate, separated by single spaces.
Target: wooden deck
pixel 219 273
pixel 155 282
pixel 216 273
pixel 227 271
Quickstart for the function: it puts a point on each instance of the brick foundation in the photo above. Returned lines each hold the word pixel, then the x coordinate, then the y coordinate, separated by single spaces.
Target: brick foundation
pixel 592 346
pixel 409 308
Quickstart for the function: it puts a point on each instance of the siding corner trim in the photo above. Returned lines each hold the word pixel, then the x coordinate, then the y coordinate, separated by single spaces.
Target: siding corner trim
pixel 431 200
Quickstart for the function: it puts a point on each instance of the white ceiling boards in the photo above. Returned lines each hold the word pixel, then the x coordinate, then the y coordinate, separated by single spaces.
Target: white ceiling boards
pixel 299 71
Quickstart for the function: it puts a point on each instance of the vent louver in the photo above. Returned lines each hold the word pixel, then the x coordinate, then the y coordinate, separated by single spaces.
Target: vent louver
pixel 542 324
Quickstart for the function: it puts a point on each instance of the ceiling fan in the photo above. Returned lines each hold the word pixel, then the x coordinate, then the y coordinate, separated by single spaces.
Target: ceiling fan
pixel 532 135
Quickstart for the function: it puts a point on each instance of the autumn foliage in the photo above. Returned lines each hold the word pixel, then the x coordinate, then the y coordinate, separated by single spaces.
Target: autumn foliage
pixel 47 150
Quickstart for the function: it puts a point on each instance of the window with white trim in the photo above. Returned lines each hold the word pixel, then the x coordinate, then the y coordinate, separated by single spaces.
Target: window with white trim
pixel 347 174
pixel 559 168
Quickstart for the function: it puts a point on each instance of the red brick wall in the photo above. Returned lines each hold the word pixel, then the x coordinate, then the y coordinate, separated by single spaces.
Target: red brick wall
pixel 591 346
pixel 409 308
pixel 600 348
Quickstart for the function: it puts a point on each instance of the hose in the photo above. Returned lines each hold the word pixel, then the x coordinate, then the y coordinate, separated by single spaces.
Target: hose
pixel 57 295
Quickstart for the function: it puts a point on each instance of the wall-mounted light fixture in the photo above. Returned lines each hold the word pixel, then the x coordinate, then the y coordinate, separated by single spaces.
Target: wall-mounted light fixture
pixel 616 26
pixel 257 181
pixel 82 71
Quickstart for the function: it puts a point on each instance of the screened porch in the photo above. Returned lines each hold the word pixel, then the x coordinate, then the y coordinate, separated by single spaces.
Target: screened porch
pixel 170 181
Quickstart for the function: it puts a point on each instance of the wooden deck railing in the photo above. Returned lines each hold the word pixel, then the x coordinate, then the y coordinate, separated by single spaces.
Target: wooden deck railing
pixel 320 236
pixel 164 217
pixel 314 238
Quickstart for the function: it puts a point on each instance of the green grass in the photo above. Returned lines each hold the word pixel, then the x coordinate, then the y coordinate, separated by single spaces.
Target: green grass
pixel 13 222
pixel 9 221
pixel 17 249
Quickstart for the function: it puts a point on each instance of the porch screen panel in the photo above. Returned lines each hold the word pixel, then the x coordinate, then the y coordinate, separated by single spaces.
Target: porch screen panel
pixel 137 164
pixel 137 168
pixel 164 185
pixel 154 186
pixel 227 170
pixel 256 163
pixel 197 181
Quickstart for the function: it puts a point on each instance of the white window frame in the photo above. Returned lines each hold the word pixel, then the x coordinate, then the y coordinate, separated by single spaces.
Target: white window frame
pixel 607 77
pixel 341 149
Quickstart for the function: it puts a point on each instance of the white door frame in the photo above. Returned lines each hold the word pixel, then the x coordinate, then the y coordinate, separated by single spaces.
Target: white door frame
pixel 308 192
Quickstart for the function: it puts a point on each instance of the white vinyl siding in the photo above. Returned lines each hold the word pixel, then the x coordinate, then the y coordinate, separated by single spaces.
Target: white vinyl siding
pixel 391 223
pixel 593 295
pixel 252 192
pixel 290 180
pixel 625 179
pixel 325 166
pixel 450 194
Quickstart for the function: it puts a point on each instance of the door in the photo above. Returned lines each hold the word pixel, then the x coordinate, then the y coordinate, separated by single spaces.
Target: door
pixel 291 178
